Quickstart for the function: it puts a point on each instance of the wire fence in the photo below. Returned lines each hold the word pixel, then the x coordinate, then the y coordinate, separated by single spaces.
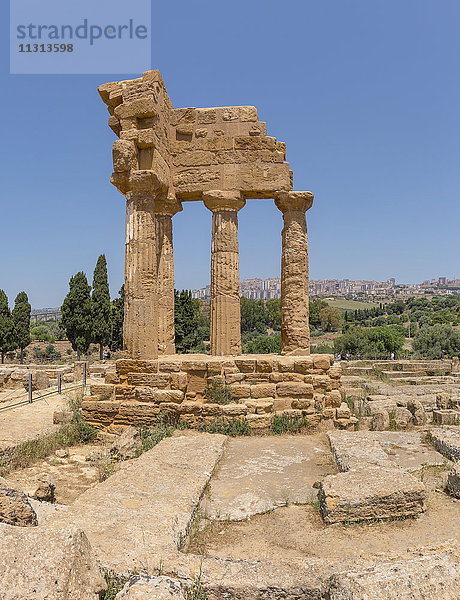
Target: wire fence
pixel 30 398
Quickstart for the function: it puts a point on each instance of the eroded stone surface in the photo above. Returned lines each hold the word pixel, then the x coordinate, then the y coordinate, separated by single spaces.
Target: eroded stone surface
pixel 142 512
pixel 259 474
pixel 54 563
pixel 453 481
pixel 371 492
pixel 15 508
pixel 142 587
pixel 447 441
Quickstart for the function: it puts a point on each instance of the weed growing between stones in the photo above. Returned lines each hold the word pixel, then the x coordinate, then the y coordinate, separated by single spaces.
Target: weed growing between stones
pixel 196 591
pixel 106 467
pixel 115 584
pixel 232 427
pixel 151 436
pixel 69 434
pixel 393 425
pixel 219 393
pixel 289 423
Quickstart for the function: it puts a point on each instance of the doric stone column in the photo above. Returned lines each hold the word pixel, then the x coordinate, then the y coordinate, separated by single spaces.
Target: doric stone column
pixel 295 331
pixel 225 272
pixel 140 328
pixel 165 209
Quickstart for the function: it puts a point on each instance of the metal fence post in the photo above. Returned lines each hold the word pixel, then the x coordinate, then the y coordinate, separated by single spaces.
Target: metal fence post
pixel 84 374
pixel 59 382
pixel 30 387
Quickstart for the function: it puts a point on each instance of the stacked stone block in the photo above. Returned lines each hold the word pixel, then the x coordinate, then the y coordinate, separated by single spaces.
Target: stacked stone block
pixel 261 385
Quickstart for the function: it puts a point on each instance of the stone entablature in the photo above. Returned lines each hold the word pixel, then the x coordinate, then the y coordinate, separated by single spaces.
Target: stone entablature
pixel 262 385
pixel 221 156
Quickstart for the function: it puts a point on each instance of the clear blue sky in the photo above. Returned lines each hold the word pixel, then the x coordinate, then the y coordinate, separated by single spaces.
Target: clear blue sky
pixel 365 93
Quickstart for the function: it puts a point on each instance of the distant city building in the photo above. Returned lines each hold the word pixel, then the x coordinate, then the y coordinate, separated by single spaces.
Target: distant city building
pixel 266 289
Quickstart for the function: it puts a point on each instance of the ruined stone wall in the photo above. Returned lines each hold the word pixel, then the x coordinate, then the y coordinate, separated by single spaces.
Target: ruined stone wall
pixel 262 385
pixel 186 151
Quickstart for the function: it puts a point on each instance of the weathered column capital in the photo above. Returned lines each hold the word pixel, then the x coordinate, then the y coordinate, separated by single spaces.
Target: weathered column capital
pixel 294 201
pixel 167 206
pixel 218 200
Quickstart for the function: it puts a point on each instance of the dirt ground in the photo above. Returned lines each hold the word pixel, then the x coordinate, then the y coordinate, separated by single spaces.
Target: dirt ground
pixel 298 531
pixel 72 475
pixel 294 528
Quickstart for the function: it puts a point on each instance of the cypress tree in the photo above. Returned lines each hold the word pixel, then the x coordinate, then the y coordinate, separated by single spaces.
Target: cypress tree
pixel 7 333
pixel 76 314
pixel 21 320
pixel 101 307
pixel 118 314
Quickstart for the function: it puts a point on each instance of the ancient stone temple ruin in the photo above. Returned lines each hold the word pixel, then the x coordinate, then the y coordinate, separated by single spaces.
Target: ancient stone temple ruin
pixel 166 156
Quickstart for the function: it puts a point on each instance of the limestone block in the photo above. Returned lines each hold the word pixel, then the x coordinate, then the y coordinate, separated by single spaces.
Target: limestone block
pixel 194 365
pixel 234 410
pixel 447 441
pixel 321 382
pixel 191 407
pixel 169 366
pixel 125 392
pixel 196 381
pixel 278 377
pixel 112 377
pixel 304 404
pixel 128 445
pixel 211 410
pixel 136 413
pixel 380 420
pixel 281 404
pixel 303 364
pixel 431 574
pixel 264 365
pixel 46 487
pixel 453 480
pixel 371 493
pixel 343 411
pixel 246 365
pixel 124 156
pixel 259 421
pixel 159 380
pixel 402 417
pixel 323 361
pixel 263 390
pixel 144 587
pixel 103 390
pixel 254 378
pixel 294 389
pixel 329 412
pixel 240 390
pixel 15 508
pixel 139 107
pixel 333 398
pixel 147 394
pixel 285 364
pixel 446 417
pixel 179 381
pixel 129 365
pixel 214 367
pixel 99 413
pixel 232 378
pixel 48 562
pixel 417 410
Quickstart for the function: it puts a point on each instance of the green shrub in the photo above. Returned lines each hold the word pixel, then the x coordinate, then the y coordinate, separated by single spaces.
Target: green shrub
pixel 232 427
pixel 286 423
pixel 219 393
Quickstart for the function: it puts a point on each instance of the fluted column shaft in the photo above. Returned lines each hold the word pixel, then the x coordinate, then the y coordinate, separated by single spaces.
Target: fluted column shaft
pixel 225 319
pixel 165 209
pixel 140 328
pixel 295 331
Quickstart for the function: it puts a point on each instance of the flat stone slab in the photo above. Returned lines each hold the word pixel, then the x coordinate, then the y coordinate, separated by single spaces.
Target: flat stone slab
pixel 142 513
pixel 56 564
pixel 370 493
pixel 406 449
pixel 447 441
pixel 259 474
pixel 430 576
